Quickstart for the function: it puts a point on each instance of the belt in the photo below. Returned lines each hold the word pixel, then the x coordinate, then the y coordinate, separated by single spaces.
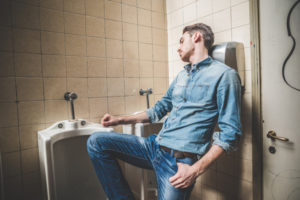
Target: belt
pixel 178 154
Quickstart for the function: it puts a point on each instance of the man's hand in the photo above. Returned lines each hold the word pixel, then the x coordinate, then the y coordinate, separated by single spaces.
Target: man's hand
pixel 109 120
pixel 186 175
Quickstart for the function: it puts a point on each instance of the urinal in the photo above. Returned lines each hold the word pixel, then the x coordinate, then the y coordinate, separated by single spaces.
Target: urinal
pixel 66 170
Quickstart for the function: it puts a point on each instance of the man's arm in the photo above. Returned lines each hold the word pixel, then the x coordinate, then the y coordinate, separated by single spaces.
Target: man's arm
pixel 109 120
pixel 187 175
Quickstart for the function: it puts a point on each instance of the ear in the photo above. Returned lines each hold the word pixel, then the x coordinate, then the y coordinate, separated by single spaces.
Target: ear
pixel 197 37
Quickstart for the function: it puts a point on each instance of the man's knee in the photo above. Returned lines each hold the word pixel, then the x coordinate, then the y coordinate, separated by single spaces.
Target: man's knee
pixel 94 143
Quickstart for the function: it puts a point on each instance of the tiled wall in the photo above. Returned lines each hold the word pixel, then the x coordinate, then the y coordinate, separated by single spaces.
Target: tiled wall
pixel 103 50
pixel 231 176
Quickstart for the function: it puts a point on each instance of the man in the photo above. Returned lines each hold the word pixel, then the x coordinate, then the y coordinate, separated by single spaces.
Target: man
pixel 204 93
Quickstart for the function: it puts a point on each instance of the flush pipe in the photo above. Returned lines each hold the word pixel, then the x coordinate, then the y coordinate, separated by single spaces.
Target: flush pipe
pixel 148 91
pixel 71 96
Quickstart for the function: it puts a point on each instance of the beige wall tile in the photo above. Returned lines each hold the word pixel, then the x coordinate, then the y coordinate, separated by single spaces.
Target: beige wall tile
pixel 53 43
pixel 160 53
pixel 54 66
pixel 6 39
pixel 26 16
pixel 113 29
pixel 5 13
pixel 144 17
pixel 158 20
pixel 113 10
pixel 131 68
pixel 31 112
pixel 115 68
pixel 144 4
pixel 143 102
pixel 114 48
pixel 145 34
pixel 160 85
pixel 130 32
pixel 28 65
pixel 98 107
pixel 146 69
pixel 94 8
pixel 159 36
pixel 228 185
pixel 220 5
pixel 132 104
pixel 242 34
pixel 245 190
pixel 53 4
pixel 32 185
pixel 56 110
pixel 227 164
pixel 8 89
pixel 115 87
pixel 81 109
pixel 158 5
pixel 190 13
pixel 223 36
pixel 29 2
pixel 28 41
pixel 52 20
pixel 79 86
pixel 97 87
pixel 132 86
pixel 28 135
pixel 76 66
pixel 209 193
pixel 130 50
pixel 30 89
pixel 209 178
pixel 12 185
pixel 146 83
pixel 11 162
pixel 6 63
pixel 160 69
pixel 74 23
pixel 30 161
pixel 55 88
pixel 116 105
pixel 75 45
pixel 95 46
pixel 240 14
pixel 129 14
pixel 96 67
pixel 145 51
pixel 75 6
pixel 209 21
pixel 129 2
pixel 94 26
pixel 245 169
pixel 222 20
pixel 9 139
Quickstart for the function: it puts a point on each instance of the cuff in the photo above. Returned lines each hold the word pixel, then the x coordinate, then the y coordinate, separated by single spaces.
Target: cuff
pixel 224 145
pixel 152 115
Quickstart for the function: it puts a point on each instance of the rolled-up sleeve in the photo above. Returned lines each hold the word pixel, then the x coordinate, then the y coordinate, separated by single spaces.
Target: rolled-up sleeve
pixel 161 107
pixel 229 109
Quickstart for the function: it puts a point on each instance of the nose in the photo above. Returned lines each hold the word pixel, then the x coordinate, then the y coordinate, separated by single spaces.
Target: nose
pixel 178 49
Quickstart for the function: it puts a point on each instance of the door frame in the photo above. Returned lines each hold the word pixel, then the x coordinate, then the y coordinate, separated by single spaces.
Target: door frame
pixel 257 134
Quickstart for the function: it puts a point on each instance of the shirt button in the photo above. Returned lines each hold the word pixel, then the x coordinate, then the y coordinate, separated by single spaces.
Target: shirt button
pixel 184 99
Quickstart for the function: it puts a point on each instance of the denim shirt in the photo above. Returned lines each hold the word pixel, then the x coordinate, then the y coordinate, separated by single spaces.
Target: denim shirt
pixel 201 96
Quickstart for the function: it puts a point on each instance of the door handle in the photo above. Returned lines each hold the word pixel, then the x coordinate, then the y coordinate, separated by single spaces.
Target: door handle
pixel 272 134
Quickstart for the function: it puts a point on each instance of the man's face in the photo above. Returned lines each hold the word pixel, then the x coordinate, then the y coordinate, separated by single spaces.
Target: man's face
pixel 186 47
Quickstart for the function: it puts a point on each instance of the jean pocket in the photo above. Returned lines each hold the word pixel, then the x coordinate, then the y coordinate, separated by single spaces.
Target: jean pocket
pixel 186 160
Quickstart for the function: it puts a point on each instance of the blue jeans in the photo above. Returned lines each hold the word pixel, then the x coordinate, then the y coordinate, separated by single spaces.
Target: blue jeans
pixel 105 147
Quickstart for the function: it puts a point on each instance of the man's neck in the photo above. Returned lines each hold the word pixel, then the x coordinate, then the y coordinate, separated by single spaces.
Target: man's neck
pixel 198 56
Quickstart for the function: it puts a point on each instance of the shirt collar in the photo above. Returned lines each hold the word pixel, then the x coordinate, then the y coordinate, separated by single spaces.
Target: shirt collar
pixel 204 62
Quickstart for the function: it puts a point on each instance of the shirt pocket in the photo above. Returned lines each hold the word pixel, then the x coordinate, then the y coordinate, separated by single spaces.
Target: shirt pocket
pixel 178 91
pixel 199 92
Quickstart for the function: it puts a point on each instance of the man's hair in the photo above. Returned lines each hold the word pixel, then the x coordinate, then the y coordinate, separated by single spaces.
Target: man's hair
pixel 206 31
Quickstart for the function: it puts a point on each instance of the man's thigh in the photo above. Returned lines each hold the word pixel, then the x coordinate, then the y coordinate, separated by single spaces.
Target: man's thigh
pixel 129 148
pixel 165 166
